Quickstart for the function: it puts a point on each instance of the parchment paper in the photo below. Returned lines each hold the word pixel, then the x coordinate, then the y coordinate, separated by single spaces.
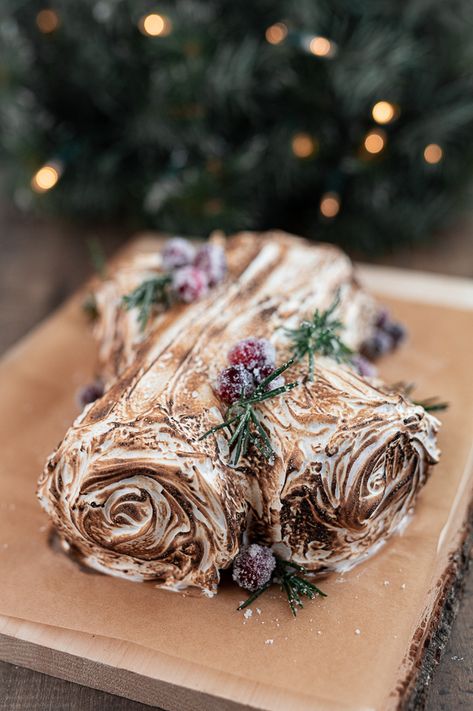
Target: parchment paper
pixel 348 650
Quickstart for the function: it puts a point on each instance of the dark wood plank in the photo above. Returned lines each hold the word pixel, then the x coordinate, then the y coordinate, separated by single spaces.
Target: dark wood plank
pixel 25 690
pixel 41 262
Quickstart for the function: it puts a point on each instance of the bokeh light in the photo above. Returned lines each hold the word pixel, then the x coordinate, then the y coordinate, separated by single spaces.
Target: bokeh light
pixel 383 112
pixel 321 47
pixel 375 141
pixel 330 204
pixel 277 33
pixel 155 25
pixel 433 153
pixel 303 145
pixel 47 20
pixel 45 178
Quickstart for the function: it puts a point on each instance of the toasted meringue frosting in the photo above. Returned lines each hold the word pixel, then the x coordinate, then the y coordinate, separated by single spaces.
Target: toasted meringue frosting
pixel 132 490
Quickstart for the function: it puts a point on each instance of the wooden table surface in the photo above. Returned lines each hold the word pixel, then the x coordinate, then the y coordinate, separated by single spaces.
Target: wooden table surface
pixel 41 262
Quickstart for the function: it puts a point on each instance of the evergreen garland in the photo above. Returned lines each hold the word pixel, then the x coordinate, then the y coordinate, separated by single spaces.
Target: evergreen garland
pixel 220 122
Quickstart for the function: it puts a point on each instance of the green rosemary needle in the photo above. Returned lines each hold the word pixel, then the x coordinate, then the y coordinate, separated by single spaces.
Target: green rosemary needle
pixel 295 586
pixel 319 335
pixel 149 292
pixel 432 404
pixel 242 420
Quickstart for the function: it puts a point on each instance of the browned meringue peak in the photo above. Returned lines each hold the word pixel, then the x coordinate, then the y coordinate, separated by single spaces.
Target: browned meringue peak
pixel 351 458
pixel 289 277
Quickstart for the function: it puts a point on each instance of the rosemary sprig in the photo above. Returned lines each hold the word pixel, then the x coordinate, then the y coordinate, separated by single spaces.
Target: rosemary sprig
pixel 295 586
pixel 432 404
pixel 149 292
pixel 320 335
pixel 242 420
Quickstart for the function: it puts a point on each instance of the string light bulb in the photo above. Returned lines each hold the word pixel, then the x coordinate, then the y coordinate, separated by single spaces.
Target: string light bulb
pixel 433 153
pixel 384 112
pixel 155 25
pixel 303 145
pixel 322 47
pixel 330 204
pixel 277 33
pixel 375 141
pixel 47 21
pixel 46 177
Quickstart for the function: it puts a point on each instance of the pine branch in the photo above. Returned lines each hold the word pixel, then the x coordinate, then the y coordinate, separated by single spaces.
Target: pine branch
pixel 432 404
pixel 319 336
pixel 146 295
pixel 242 420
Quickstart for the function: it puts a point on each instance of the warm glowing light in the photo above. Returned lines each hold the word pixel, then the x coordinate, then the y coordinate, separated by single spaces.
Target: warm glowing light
pixel 433 153
pixel 47 21
pixel 276 33
pixel 303 145
pixel 155 25
pixel 375 141
pixel 383 112
pixel 330 204
pixel 45 178
pixel 321 47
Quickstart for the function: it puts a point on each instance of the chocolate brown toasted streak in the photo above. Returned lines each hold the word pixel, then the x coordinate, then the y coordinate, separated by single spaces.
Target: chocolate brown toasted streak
pixel 136 493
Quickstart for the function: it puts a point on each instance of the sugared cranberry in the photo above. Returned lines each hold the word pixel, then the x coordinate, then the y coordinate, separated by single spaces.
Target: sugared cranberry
pixel 211 259
pixel 255 354
pixel 364 366
pixel 234 382
pixel 396 331
pixel 253 567
pixel 377 345
pixel 177 252
pixel 189 284
pixel 382 317
pixel 90 393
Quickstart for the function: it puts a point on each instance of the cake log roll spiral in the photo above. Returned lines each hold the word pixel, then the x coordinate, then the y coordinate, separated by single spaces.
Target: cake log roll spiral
pixel 351 459
pixel 132 496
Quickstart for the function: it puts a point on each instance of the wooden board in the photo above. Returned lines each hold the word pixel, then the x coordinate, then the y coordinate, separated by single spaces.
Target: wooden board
pixel 42 373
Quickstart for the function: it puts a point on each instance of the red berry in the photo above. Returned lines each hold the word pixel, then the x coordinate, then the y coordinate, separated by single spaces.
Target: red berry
pixel 90 393
pixel 212 260
pixel 177 252
pixel 396 331
pixel 253 567
pixel 234 382
pixel 254 354
pixel 377 345
pixel 382 317
pixel 190 284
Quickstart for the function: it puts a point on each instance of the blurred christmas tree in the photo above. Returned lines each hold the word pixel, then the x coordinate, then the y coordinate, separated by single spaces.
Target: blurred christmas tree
pixel 347 121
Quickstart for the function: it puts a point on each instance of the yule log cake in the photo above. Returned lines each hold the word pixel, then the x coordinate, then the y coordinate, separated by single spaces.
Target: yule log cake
pixel 318 462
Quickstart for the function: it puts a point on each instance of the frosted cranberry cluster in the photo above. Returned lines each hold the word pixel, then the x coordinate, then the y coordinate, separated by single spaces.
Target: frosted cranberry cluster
pixel 387 336
pixel 193 271
pixel 251 361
